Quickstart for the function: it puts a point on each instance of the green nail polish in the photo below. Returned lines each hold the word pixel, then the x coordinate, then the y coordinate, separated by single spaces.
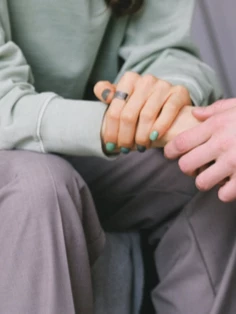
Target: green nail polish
pixel 141 148
pixel 110 147
pixel 125 150
pixel 105 94
pixel 154 136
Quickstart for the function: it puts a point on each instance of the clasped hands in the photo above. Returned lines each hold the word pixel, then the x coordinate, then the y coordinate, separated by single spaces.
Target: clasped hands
pixel 154 113
pixel 143 112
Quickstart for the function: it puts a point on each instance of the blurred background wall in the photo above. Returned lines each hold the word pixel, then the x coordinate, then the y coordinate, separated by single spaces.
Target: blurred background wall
pixel 214 31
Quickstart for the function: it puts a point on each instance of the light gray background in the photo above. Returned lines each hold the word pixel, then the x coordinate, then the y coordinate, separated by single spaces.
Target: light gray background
pixel 213 30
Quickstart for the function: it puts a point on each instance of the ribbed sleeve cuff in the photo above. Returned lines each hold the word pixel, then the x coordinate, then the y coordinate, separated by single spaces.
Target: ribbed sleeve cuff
pixel 72 127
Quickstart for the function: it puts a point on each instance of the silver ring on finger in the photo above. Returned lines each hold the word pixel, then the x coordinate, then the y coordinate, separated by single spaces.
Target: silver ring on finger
pixel 121 95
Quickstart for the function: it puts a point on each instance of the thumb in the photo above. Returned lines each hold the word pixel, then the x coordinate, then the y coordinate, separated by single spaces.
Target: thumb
pixel 104 91
pixel 203 113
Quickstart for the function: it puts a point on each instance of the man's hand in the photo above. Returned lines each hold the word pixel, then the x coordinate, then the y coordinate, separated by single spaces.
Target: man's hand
pixel 211 142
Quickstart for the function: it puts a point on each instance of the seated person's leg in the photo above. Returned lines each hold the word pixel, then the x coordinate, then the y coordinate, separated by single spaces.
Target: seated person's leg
pixel 49 236
pixel 195 230
pixel 118 279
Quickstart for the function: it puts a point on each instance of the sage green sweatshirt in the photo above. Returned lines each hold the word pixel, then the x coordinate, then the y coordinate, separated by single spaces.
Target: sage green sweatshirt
pixel 53 51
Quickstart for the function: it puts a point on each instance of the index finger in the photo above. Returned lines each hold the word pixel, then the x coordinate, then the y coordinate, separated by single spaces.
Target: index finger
pixel 124 88
pixel 188 140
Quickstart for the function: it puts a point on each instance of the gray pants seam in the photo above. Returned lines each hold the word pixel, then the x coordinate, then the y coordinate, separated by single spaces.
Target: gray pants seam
pixel 58 207
pixel 201 254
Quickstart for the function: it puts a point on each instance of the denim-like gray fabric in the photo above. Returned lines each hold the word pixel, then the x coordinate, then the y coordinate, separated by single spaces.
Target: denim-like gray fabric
pixel 118 275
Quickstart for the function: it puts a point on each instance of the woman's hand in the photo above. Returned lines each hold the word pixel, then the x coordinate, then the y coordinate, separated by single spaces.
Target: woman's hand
pixel 141 110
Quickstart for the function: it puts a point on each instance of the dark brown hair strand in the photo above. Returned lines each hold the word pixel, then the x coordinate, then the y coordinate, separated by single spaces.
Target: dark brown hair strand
pixel 124 7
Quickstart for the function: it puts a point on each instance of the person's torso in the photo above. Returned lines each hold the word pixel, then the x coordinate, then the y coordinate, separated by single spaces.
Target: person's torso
pixel 68 43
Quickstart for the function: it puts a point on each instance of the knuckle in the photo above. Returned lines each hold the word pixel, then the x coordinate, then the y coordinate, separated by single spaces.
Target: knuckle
pixel 180 89
pixel 146 116
pixel 113 115
pixel 214 122
pixel 181 143
pixel 225 143
pixel 128 117
pixel 110 136
pixel 148 79
pixel 172 106
pixel 162 126
pixel 163 84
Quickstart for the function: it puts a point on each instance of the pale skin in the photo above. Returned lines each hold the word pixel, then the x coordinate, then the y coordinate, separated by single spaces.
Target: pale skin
pixel 211 142
pixel 152 105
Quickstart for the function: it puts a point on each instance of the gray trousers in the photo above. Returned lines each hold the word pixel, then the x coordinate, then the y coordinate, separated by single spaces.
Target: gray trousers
pixel 50 235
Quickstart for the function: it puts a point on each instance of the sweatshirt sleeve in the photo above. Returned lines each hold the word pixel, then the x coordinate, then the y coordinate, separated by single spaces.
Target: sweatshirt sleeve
pixel 42 122
pixel 158 42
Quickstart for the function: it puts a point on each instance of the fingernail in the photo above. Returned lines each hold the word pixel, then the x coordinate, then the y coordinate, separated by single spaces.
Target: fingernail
pixel 141 148
pixel 110 146
pixel 125 150
pixel 105 94
pixel 153 136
